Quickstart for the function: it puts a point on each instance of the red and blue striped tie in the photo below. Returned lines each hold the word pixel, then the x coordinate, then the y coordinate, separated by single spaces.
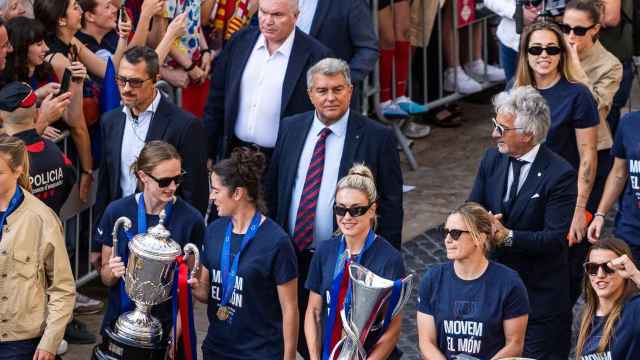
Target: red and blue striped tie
pixel 306 215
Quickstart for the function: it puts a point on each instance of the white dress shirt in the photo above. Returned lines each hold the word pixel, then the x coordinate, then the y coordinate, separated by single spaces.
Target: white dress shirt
pixel 323 226
pixel 133 140
pixel 307 13
pixel 261 93
pixel 529 157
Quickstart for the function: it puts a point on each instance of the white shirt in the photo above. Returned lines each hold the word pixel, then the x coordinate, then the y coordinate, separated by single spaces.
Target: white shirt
pixel 307 13
pixel 133 140
pixel 506 32
pixel 529 157
pixel 323 226
pixel 261 93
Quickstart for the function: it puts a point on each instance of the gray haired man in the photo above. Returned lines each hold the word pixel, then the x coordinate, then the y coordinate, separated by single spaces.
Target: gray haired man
pixel 532 193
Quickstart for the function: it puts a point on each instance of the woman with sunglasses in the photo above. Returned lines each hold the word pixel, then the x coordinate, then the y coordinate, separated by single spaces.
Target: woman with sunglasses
pixel 609 328
pixel 249 273
pixel 328 279
pixel 159 172
pixel 471 305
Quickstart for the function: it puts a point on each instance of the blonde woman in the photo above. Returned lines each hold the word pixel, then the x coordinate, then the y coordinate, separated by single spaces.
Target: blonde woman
pixel 471 305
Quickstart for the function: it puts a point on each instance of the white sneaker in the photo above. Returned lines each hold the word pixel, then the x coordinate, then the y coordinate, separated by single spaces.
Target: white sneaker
pixel 62 348
pixel 465 84
pixel 475 69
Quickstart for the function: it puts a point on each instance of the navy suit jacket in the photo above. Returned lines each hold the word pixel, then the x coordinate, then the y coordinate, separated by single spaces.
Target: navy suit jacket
pixel 171 124
pixel 540 219
pixel 221 110
pixel 366 142
pixel 346 27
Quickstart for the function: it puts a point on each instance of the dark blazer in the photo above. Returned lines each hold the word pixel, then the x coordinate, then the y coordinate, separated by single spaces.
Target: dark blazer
pixel 366 142
pixel 346 27
pixel 221 110
pixel 540 220
pixel 170 124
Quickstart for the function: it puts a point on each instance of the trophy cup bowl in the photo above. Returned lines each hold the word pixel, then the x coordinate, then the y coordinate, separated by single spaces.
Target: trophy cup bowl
pixel 369 295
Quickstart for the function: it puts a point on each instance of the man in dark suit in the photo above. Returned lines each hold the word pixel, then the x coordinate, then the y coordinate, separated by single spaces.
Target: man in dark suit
pixel 345 27
pixel 532 192
pixel 314 150
pixel 147 116
pixel 258 79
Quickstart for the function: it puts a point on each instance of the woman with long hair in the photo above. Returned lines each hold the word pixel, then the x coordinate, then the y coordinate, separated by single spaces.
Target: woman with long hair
pixel 471 305
pixel 159 172
pixel 355 213
pixel 37 289
pixel 249 275
pixel 609 327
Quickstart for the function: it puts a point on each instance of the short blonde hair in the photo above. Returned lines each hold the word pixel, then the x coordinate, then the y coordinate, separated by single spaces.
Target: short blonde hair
pixel 478 221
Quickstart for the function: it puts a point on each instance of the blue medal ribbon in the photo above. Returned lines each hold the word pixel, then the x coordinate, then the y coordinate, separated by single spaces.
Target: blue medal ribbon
pixel 229 275
pixel 15 201
pixel 338 273
pixel 391 304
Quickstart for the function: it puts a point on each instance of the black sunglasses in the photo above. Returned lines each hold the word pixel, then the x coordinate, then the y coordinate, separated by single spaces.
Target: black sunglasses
pixel 501 128
pixel 591 268
pixel 455 233
pixel 353 211
pixel 133 82
pixel 551 50
pixel 166 181
pixel 578 30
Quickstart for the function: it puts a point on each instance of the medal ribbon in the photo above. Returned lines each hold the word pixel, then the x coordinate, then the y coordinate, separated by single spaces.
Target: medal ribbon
pixel 141 224
pixel 182 302
pixel 338 274
pixel 229 277
pixel 16 199
pixel 391 304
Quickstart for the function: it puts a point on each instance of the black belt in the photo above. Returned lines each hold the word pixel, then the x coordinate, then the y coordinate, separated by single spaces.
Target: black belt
pixel 265 150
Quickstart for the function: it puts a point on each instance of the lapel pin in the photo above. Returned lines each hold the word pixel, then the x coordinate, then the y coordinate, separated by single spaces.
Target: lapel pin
pixel 539 174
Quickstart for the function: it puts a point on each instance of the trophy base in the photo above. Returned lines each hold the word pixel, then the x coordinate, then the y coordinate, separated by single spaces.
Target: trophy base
pixel 114 347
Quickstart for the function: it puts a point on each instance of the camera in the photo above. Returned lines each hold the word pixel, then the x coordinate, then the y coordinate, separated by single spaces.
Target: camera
pixel 550 9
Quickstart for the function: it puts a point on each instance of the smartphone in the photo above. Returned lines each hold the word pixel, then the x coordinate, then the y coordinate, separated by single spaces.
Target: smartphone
pixel 121 14
pixel 66 79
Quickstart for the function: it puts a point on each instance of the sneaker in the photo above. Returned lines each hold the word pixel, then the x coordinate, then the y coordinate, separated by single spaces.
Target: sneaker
pixel 413 130
pixel 411 107
pixel 87 305
pixel 476 69
pixel 62 348
pixel 391 110
pixel 465 84
pixel 77 333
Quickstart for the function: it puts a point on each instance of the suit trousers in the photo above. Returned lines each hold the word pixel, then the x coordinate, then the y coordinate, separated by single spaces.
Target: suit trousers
pixel 304 262
pixel 548 338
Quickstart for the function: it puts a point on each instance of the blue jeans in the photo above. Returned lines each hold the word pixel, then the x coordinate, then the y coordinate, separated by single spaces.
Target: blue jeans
pixel 508 60
pixel 18 350
pixel 621 96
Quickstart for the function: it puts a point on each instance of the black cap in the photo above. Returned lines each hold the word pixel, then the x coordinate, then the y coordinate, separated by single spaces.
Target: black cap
pixel 15 95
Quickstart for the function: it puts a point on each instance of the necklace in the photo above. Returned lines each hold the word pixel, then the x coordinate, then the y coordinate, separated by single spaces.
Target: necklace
pixel 135 124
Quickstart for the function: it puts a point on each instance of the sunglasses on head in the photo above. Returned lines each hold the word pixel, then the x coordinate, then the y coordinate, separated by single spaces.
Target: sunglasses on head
pixel 454 233
pixel 577 30
pixel 591 268
pixel 354 211
pixel 551 50
pixel 166 181
pixel 501 129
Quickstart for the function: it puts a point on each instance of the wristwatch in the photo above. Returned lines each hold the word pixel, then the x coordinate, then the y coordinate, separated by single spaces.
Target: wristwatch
pixel 88 172
pixel 508 241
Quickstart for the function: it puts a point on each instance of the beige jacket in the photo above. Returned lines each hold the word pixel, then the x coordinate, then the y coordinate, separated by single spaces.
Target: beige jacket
pixel 37 290
pixel 603 76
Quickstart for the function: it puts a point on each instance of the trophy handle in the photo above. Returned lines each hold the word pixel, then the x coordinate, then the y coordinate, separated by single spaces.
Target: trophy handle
pixel 405 294
pixel 192 249
pixel 123 222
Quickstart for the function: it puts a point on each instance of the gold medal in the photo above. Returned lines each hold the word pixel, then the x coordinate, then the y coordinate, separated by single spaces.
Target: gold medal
pixel 223 313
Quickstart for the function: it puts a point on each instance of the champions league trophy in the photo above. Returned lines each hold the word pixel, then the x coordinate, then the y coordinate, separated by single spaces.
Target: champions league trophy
pixel 369 294
pixel 149 280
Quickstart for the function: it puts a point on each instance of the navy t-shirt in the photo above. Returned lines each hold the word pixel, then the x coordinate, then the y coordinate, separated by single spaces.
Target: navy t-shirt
pixel 254 331
pixel 627 146
pixel 469 314
pixel 381 258
pixel 625 341
pixel 186 226
pixel 572 107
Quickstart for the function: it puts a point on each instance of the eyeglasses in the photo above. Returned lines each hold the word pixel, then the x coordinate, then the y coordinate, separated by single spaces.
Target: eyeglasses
pixel 577 30
pixel 354 211
pixel 133 82
pixel 501 128
pixel 166 181
pixel 455 233
pixel 551 50
pixel 591 268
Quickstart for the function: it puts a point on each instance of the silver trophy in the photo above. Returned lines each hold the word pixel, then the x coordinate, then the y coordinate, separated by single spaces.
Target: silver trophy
pixel 148 280
pixel 369 295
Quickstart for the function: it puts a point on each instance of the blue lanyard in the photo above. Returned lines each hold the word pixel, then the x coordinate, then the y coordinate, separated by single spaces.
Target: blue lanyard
pixel 229 277
pixel 338 274
pixel 13 204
